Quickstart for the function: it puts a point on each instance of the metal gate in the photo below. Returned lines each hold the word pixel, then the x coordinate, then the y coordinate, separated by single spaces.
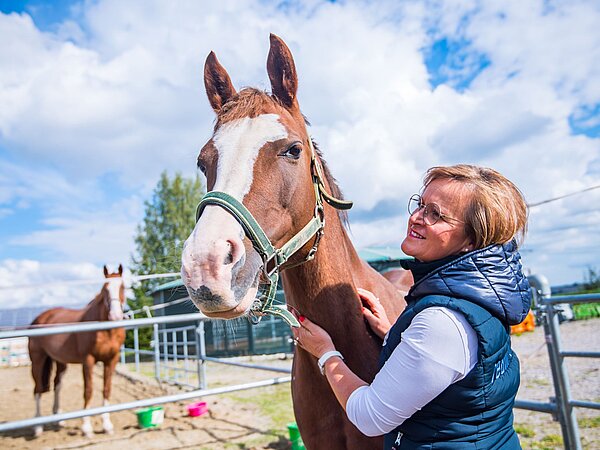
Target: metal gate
pixel 562 406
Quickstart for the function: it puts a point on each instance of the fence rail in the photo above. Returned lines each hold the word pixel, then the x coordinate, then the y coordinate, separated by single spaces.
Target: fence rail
pixel 162 362
pixel 562 406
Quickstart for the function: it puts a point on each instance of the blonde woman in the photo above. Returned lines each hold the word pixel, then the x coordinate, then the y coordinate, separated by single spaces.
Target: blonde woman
pixel 448 376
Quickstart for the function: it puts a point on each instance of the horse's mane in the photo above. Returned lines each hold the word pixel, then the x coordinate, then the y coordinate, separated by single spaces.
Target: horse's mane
pixel 251 102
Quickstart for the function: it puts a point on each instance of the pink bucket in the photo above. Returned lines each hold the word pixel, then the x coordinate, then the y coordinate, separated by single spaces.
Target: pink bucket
pixel 197 409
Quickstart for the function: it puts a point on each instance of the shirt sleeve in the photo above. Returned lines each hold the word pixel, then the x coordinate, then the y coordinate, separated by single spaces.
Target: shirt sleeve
pixel 437 349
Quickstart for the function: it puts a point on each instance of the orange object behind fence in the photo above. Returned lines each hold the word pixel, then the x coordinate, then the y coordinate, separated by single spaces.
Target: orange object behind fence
pixel 528 324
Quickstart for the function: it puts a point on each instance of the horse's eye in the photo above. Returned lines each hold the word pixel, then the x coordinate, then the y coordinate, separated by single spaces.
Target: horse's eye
pixel 202 167
pixel 293 152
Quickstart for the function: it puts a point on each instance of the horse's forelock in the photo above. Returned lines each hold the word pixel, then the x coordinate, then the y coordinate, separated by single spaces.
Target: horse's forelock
pixel 249 102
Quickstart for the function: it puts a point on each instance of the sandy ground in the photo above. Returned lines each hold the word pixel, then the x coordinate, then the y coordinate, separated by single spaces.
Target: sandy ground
pixel 231 425
pixel 227 425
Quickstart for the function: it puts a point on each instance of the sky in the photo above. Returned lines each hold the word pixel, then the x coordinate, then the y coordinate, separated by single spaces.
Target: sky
pixel 98 97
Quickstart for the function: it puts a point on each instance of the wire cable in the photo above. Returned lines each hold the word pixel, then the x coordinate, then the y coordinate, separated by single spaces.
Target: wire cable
pixel 543 202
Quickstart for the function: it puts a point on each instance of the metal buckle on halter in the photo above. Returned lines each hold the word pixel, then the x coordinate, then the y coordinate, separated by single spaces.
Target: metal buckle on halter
pixel 274 257
pixel 255 315
pixel 315 247
pixel 320 213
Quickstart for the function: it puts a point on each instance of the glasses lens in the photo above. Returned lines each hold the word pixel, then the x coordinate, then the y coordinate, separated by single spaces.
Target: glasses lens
pixel 414 203
pixel 432 213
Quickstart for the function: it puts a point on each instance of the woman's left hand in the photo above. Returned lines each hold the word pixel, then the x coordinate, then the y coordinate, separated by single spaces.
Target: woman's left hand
pixel 311 337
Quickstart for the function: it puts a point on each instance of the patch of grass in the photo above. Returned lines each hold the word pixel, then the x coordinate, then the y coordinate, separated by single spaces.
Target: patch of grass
pixel 586 311
pixel 589 422
pixel 274 402
pixel 549 442
pixel 524 431
pixel 538 382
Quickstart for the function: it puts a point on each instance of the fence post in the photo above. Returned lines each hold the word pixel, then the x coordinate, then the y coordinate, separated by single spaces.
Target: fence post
pixel 156 353
pixel 136 349
pixel 122 350
pixel 560 377
pixel 184 334
pixel 165 336
pixel 250 329
pixel 201 354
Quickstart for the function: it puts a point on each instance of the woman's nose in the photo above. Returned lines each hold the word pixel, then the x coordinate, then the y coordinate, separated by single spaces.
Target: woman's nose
pixel 418 215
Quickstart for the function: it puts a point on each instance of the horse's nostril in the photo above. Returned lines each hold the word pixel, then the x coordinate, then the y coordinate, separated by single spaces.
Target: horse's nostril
pixel 229 258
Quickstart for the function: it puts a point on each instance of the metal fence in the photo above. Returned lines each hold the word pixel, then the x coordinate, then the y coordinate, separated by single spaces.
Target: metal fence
pixel 163 363
pixel 179 358
pixel 178 353
pixel 562 406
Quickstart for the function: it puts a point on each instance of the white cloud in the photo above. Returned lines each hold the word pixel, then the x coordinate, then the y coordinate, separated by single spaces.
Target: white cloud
pixel 121 92
pixel 29 272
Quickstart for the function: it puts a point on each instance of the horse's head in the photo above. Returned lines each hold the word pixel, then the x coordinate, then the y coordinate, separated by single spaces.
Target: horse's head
pixel 258 154
pixel 113 293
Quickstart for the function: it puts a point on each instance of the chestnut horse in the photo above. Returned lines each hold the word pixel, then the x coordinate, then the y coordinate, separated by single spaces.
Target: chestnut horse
pixel 80 348
pixel 261 155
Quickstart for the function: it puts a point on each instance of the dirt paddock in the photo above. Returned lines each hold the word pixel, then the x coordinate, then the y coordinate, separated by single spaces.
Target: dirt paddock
pixel 234 422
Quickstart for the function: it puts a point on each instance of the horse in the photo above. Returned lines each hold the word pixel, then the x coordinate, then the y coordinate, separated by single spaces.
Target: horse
pixel 80 348
pixel 261 162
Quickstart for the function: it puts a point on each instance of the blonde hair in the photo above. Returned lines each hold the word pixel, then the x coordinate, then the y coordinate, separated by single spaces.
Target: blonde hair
pixel 496 212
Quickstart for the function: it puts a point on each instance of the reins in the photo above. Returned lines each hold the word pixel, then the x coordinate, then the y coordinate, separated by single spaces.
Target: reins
pixel 274 258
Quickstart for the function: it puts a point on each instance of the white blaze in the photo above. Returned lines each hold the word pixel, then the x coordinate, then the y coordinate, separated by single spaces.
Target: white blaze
pixel 238 144
pixel 114 291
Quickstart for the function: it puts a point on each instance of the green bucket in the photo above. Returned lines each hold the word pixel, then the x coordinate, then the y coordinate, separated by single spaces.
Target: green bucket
pixel 150 417
pixel 295 437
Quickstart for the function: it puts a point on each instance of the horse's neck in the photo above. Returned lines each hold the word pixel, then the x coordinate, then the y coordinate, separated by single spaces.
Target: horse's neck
pixel 324 287
pixel 96 309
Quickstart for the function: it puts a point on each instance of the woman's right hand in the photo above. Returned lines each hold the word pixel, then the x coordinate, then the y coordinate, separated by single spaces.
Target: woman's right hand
pixel 374 313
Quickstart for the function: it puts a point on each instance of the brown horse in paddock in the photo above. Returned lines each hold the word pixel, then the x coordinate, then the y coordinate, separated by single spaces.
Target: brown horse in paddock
pixel 261 155
pixel 80 348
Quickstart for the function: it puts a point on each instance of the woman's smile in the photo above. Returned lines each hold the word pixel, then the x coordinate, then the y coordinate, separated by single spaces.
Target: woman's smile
pixel 414 234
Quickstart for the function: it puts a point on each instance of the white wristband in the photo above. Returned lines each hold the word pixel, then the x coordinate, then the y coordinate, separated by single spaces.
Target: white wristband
pixel 323 359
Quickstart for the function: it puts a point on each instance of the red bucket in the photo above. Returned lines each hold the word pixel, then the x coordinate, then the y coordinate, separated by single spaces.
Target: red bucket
pixel 197 409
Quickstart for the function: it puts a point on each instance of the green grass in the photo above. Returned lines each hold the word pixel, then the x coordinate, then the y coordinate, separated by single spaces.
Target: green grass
pixel 586 311
pixel 524 431
pixel 589 422
pixel 549 442
pixel 275 402
pixel 538 382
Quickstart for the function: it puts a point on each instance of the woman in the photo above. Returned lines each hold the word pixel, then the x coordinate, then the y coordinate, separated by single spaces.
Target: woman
pixel 448 376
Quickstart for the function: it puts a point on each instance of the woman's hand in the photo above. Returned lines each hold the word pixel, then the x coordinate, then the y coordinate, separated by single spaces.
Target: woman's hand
pixel 311 337
pixel 374 313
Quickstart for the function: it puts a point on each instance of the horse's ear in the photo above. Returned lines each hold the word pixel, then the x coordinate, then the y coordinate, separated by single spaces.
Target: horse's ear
pixel 120 269
pixel 219 88
pixel 282 72
pixel 105 271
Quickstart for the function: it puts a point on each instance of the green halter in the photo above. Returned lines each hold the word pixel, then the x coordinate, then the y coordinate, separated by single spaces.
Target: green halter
pixel 274 258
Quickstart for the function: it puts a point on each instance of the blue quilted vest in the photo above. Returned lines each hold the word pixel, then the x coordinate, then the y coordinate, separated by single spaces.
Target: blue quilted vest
pixel 486 286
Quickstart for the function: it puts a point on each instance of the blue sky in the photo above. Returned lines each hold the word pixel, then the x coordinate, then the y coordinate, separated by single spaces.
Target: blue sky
pixel 101 96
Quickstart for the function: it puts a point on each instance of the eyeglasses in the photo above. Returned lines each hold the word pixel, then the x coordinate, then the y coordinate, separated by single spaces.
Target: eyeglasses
pixel 431 211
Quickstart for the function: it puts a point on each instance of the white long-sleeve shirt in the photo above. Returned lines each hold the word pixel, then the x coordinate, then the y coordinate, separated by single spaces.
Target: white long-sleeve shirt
pixel 437 349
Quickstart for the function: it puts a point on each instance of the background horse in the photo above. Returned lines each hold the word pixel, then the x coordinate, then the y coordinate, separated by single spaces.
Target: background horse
pixel 260 154
pixel 81 348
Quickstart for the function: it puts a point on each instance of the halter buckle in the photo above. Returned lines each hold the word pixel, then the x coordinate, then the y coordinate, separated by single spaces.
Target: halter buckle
pixel 254 315
pixel 267 260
